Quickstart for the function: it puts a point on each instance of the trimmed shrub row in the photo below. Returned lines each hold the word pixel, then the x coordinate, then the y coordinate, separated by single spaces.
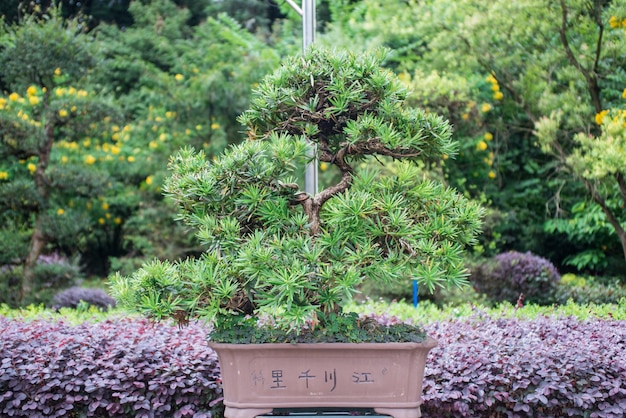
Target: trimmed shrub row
pixel 483 366
pixel 114 368
pixel 547 367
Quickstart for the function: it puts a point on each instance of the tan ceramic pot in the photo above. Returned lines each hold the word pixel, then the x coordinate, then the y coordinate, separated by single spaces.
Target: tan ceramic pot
pixel 258 378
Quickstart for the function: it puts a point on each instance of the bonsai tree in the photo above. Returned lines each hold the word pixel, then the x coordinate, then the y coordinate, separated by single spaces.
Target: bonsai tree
pixel 277 255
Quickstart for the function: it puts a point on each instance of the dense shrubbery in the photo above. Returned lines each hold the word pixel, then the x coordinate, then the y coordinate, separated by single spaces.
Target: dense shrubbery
pixel 586 290
pixel 485 365
pixel 114 368
pixel 52 272
pixel 513 273
pixel 548 367
pixel 75 296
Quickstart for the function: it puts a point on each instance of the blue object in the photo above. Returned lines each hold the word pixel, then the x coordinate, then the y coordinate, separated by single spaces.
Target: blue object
pixel 415 297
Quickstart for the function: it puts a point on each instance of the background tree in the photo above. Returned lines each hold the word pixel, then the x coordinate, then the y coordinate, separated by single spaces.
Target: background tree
pixel 44 61
pixel 496 79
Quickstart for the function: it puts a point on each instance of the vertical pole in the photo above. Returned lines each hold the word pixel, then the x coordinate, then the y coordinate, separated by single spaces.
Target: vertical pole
pixel 308 37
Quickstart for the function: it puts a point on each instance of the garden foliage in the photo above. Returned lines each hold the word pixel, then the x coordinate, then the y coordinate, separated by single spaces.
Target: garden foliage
pixel 485 365
pixel 76 296
pixel 113 368
pixel 512 274
pixel 547 367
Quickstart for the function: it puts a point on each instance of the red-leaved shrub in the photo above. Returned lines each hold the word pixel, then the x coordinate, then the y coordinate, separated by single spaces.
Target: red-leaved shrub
pixel 548 367
pixel 116 368
pixel 482 367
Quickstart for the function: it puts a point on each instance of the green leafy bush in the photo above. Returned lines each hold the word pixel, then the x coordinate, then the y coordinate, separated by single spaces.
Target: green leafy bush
pixel 583 290
pixel 51 273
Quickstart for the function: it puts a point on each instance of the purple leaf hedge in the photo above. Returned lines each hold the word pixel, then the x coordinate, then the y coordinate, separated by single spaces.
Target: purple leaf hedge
pixel 547 367
pixel 115 368
pixel 483 367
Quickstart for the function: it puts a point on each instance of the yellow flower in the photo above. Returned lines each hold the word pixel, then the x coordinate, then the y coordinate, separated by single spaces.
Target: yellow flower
pixel 498 95
pixel 481 146
pixel 63 113
pixel 153 144
pixel 60 211
pixel 115 149
pixel 64 159
pixel 117 220
pixel 82 93
pixel 57 71
pixel 14 97
pixel 624 94
pixel 4 175
pixel 31 167
pixel 101 221
pixel 600 116
pixel 486 107
pixel 115 137
pixel 491 79
pixel 492 174
pixel 162 137
pixel 105 205
pixel 3 103
pixel 33 100
pixel 198 127
pixel 87 142
pixel 90 159
pixel 73 108
pixel 445 156
pixel 179 77
pixel 149 180
pixel 71 91
pixel 170 115
pixel 488 136
pixel 323 166
pixel 131 159
pixel 614 22
pixel 495 87
pixel 31 90
pixel 215 125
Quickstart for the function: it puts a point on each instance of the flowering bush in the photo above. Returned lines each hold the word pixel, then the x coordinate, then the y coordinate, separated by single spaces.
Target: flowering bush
pixel 114 368
pixel 511 274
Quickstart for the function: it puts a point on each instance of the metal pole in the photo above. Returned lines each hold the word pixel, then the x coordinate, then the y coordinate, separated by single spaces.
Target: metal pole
pixel 307 11
pixel 308 37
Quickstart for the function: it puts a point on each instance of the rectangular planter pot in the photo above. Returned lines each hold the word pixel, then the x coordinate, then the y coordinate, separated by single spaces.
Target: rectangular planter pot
pixel 387 377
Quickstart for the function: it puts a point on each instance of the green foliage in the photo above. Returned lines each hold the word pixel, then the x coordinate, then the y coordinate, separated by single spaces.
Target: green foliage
pixel 331 328
pixel 589 228
pixel 498 82
pixel 38 312
pixel 24 60
pixel 49 278
pixel 86 132
pixel 585 290
pixel 429 313
pixel 273 250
